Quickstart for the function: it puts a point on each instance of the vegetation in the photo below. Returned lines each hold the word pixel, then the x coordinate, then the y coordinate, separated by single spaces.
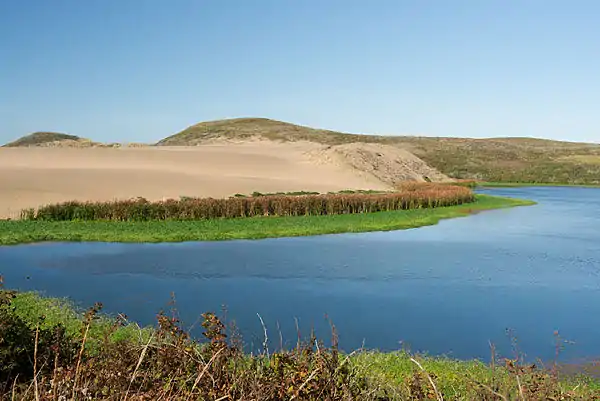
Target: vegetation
pixel 413 197
pixel 293 193
pixel 38 138
pixel 251 128
pixel 50 352
pixel 465 183
pixel 517 160
pixel 521 160
pixel 20 231
pixel 300 193
pixel 359 191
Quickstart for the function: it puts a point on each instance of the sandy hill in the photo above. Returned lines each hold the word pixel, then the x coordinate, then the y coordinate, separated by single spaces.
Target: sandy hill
pixel 365 154
pixel 52 169
pixel 32 176
pixel 49 139
pixel 222 158
pixel 493 159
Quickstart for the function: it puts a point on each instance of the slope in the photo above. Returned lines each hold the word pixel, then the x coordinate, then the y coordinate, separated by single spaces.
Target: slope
pixel 494 159
pixel 34 176
pixel 44 139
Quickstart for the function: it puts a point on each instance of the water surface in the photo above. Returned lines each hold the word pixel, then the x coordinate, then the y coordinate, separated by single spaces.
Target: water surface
pixel 445 289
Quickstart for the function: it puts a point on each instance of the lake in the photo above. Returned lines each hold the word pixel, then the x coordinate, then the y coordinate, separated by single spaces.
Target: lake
pixel 447 289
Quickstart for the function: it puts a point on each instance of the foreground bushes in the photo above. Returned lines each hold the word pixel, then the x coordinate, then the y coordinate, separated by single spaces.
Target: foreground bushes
pixel 43 362
pixel 411 197
pixel 52 356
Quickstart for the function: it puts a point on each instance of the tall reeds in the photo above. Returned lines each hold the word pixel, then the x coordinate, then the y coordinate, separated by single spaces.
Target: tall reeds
pixel 412 196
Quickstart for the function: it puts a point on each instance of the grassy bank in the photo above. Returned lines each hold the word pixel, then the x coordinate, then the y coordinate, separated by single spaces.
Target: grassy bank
pixel 52 352
pixel 16 232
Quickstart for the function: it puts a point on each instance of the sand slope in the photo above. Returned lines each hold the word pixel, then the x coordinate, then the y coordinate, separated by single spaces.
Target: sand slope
pixel 30 177
pixel 389 164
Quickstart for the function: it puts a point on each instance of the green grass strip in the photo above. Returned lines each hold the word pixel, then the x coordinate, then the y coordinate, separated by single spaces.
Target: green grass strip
pixel 35 309
pixel 19 232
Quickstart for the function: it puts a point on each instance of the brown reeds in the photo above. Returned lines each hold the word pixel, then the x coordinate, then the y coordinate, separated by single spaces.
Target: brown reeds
pixel 410 196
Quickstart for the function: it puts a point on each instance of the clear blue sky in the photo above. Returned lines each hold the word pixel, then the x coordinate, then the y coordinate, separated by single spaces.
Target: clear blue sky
pixel 139 70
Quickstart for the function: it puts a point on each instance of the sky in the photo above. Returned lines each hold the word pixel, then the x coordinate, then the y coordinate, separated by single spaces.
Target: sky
pixel 140 70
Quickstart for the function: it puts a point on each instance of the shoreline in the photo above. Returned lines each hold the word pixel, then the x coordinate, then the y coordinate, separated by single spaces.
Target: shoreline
pixel 15 232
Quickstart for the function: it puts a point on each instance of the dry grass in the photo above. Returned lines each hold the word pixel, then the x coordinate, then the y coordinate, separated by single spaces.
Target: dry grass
pixel 48 359
pixel 585 159
pixel 509 160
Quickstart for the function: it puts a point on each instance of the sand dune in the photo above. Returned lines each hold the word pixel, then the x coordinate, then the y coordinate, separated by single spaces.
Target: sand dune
pixel 30 177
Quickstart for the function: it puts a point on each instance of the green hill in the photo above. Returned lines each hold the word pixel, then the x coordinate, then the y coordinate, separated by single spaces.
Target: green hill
pixel 524 160
pixel 41 138
pixel 528 160
pixel 248 128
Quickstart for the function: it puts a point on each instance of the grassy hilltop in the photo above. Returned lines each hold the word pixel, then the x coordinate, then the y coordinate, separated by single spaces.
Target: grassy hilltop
pixel 495 159
pixel 42 138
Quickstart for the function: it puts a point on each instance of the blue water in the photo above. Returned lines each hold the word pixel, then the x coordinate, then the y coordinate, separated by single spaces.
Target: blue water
pixel 447 289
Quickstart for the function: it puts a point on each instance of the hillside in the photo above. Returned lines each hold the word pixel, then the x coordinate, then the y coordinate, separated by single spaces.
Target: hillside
pixel 60 140
pixel 240 129
pixel 510 159
pixel 365 154
pixel 388 159
pixel 494 159
pixel 45 139
pixel 34 176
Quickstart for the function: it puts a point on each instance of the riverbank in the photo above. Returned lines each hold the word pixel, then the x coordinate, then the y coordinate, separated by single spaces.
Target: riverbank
pixel 18 231
pixel 54 351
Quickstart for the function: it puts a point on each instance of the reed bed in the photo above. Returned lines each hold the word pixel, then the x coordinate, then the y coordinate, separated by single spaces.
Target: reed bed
pixel 23 231
pixel 414 196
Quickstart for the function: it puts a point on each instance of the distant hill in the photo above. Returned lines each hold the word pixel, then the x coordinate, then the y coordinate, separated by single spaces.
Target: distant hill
pixel 57 139
pixel 493 159
pixel 526 160
pixel 46 139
